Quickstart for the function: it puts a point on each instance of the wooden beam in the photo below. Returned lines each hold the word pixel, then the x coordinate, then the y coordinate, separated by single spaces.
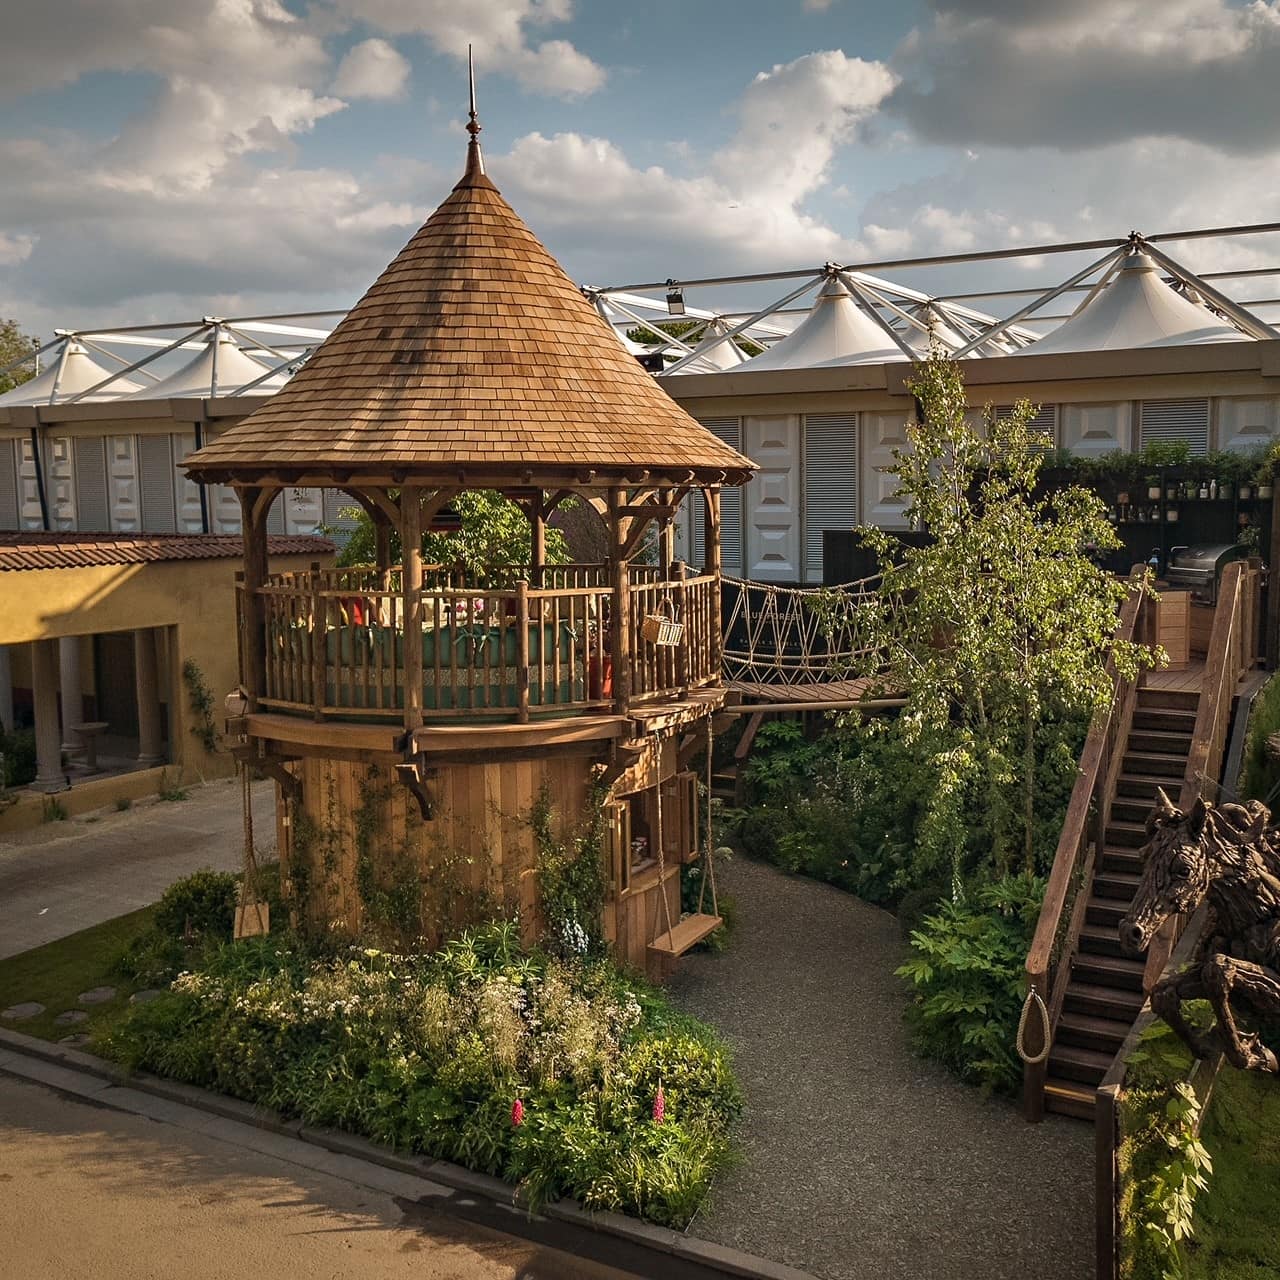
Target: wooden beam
pixel 411 507
pixel 254 674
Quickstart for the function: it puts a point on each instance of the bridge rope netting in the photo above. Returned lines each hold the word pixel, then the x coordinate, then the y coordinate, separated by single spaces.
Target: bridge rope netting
pixel 797 635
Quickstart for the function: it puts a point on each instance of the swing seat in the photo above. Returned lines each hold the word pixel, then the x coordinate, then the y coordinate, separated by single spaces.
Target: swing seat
pixel 686 935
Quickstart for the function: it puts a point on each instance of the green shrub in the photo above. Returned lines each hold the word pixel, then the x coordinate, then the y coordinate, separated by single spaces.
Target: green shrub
pixel 966 974
pixel 1261 772
pixel 199 905
pixel 429 1053
pixel 19 749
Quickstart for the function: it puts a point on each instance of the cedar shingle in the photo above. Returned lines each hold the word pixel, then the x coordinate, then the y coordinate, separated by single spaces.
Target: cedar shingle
pixel 472 349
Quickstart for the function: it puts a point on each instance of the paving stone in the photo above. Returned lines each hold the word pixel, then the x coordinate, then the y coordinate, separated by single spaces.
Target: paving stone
pixel 71 1018
pixel 99 995
pixel 75 1039
pixel 145 996
pixel 21 1012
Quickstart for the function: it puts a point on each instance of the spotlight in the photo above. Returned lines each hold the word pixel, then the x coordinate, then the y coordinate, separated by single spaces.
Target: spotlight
pixel 675 299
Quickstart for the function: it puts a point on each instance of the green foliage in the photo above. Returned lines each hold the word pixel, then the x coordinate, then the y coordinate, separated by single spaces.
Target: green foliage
pixel 571 878
pixel 387 878
pixel 652 336
pixel 171 788
pixel 53 810
pixel 966 974
pixel 1261 772
pixel 1001 624
pixel 123 804
pixel 494 532
pixel 428 1053
pixel 1158 454
pixel 692 895
pixel 14 344
pixel 883 809
pixel 199 905
pixel 201 698
pixel 19 748
pixel 1162 1164
pixel 1234 1236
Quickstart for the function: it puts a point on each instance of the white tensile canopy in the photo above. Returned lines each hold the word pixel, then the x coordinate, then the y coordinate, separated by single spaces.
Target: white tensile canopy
pixel 222 368
pixel 937 331
pixel 1136 309
pixel 837 331
pixel 70 373
pixel 711 355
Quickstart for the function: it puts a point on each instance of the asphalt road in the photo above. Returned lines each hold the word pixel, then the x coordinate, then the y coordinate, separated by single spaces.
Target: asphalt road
pixel 86 1191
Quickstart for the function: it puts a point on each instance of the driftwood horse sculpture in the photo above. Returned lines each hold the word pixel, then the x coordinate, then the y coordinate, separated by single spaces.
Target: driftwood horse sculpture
pixel 1228 855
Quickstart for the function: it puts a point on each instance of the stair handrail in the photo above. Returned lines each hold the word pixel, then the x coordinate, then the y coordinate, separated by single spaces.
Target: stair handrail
pixel 1048 961
pixel 1232 652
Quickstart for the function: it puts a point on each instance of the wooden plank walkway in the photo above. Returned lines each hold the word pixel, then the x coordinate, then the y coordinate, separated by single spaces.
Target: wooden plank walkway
pixel 1186 680
pixel 835 691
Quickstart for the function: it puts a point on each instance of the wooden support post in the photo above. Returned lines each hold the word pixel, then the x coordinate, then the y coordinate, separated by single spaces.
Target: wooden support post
pixel 319 636
pixel 522 652
pixel 620 638
pixel 382 552
pixel 254 505
pixel 666 536
pixel 538 537
pixel 411 547
pixel 1272 646
pixel 711 565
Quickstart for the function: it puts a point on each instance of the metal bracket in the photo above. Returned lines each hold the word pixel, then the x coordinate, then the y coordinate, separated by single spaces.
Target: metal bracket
pixel 415 774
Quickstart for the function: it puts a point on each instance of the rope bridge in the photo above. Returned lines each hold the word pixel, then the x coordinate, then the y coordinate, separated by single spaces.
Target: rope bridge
pixel 787 644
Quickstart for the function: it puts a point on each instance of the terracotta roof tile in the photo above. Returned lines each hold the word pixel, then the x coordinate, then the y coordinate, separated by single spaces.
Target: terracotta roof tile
pixel 81 550
pixel 472 349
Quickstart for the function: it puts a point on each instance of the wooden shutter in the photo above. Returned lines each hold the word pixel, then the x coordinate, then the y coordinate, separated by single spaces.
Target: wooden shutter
pixel 617 840
pixel 155 481
pixel 8 486
pixel 93 505
pixel 830 482
pixel 730 431
pixel 338 526
pixel 687 786
pixel 276 516
pixel 1186 420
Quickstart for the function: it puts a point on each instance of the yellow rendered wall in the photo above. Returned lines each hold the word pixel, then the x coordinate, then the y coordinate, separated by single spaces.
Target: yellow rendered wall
pixel 193 600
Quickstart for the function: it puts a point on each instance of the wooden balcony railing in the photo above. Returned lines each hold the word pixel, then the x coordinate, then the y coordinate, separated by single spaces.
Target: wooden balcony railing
pixel 493 648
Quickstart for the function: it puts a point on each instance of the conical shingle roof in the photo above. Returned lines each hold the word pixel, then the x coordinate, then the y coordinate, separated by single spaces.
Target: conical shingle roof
pixel 472 353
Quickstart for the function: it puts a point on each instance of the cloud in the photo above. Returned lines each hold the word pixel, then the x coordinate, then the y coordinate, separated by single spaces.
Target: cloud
pixel 372 69
pixel 1093 72
pixel 15 249
pixel 499 30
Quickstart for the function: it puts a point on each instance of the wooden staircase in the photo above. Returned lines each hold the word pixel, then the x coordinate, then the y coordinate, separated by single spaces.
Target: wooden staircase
pixel 1104 991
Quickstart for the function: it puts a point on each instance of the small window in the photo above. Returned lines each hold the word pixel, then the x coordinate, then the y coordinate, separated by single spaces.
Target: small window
pixel 1043 427
pixel 1175 420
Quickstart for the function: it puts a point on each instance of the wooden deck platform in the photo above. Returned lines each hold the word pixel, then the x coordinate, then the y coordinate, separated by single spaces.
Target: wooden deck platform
pixel 1185 680
pixel 837 692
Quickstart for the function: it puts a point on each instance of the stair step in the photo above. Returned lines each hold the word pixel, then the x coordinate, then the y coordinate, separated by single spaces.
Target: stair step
pixel 1137 786
pixel 1116 884
pixel 1171 719
pixel 1127 860
pixel 1103 1034
pixel 1126 835
pixel 1101 940
pixel 1106 912
pixel 1102 1002
pixel 1183 699
pixel 1161 766
pixel 1069 1098
pixel 1132 808
pixel 1075 1062
pixel 1160 741
pixel 1109 971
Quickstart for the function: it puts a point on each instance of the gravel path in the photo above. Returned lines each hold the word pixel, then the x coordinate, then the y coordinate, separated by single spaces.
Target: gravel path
pixel 862 1160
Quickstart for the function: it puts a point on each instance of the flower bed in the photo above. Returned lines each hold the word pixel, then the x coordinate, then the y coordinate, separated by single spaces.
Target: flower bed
pixel 564 1078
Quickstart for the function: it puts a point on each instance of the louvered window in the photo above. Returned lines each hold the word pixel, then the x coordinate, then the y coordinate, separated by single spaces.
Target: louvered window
pixel 8 486
pixel 730 431
pixel 1185 420
pixel 93 505
pixel 155 482
pixel 1043 428
pixel 275 516
pixel 830 482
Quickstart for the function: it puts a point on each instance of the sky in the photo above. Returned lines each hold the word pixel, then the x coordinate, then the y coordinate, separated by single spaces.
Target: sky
pixel 162 160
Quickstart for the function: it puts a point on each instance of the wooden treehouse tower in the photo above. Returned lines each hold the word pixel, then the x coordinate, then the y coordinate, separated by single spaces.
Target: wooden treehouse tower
pixel 414 715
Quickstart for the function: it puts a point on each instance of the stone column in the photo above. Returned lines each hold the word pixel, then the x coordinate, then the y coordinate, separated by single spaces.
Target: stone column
pixel 6 689
pixel 72 697
pixel 44 682
pixel 146 675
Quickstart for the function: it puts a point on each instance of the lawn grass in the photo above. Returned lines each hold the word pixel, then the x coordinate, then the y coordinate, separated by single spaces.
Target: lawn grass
pixel 55 975
pixel 1235 1220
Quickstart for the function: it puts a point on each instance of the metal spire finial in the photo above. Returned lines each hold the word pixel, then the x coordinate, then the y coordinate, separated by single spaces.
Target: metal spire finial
pixel 475 160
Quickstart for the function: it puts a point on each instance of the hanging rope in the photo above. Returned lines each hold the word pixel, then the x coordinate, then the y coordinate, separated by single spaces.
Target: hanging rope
pixel 708 851
pixel 1033 997
pixel 662 857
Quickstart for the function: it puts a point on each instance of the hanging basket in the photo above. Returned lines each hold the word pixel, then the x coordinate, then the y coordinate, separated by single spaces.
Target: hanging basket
pixel 661 628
